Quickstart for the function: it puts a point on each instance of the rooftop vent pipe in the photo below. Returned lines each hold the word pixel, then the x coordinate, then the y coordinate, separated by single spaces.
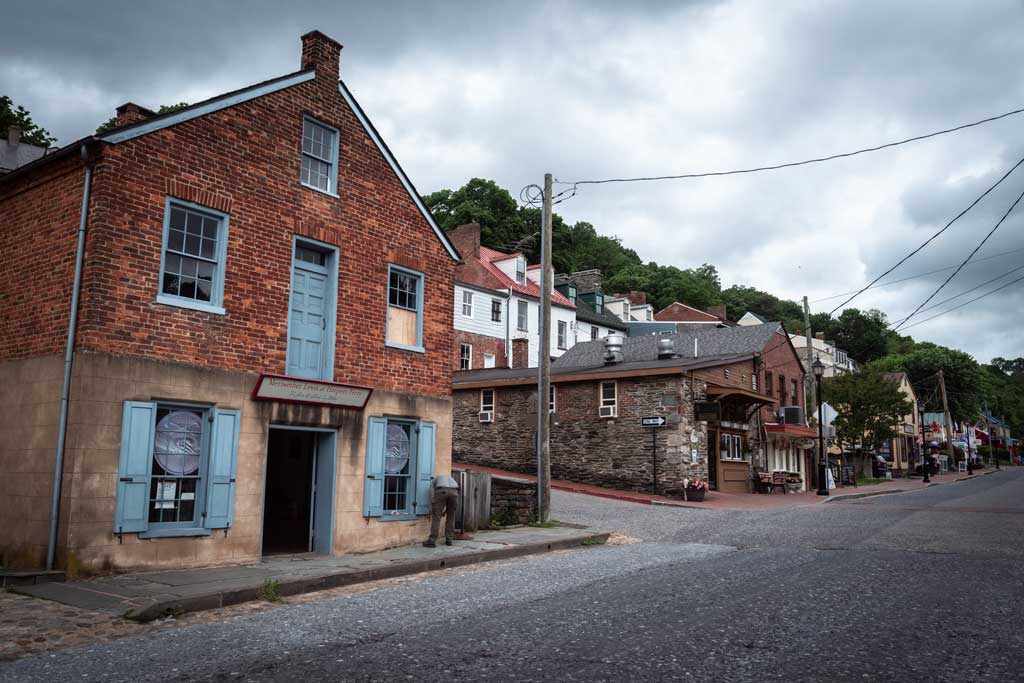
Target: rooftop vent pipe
pixel 666 348
pixel 613 348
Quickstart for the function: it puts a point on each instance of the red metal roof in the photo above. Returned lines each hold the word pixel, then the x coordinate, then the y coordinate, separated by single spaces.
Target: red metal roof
pixel 487 259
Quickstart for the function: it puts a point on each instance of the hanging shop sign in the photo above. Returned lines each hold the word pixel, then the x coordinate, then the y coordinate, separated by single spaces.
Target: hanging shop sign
pixel 707 411
pixel 310 392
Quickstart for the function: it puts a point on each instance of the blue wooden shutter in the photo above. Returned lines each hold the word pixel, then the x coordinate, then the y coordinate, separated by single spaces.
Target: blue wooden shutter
pixel 424 466
pixel 220 477
pixel 133 472
pixel 373 483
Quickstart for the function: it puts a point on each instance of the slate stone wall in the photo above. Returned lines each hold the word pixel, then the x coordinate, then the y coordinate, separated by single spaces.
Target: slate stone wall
pixel 513 502
pixel 612 452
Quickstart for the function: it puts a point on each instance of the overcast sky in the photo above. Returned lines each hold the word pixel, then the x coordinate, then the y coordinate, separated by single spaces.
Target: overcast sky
pixel 598 90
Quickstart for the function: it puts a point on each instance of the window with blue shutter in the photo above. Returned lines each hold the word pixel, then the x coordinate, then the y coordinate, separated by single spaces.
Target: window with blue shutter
pixel 220 481
pixel 132 510
pixel 424 467
pixel 373 482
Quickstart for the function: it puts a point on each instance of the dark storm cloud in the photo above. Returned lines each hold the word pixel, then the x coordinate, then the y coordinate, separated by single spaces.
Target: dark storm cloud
pixel 609 89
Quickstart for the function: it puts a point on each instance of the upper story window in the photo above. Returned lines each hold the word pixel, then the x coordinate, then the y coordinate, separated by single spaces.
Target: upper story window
pixel 551 398
pixel 563 334
pixel 487 400
pixel 495 310
pixel 465 357
pixel 782 390
pixel 598 302
pixel 609 399
pixel 572 293
pixel 769 386
pixel 796 393
pixel 753 381
pixel 467 304
pixel 319 156
pixel 594 332
pixel 405 309
pixel 521 271
pixel 522 316
pixel 192 263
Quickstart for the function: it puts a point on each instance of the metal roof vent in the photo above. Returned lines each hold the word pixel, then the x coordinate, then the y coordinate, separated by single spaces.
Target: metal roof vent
pixel 666 348
pixel 613 348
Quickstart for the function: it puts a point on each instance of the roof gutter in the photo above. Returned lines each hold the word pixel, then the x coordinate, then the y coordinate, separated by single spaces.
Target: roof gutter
pixel 65 392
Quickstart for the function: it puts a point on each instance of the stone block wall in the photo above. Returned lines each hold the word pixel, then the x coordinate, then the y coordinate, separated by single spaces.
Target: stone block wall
pixel 613 452
pixel 513 501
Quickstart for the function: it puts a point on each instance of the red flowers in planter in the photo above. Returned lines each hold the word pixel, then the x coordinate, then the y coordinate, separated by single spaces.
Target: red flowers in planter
pixel 695 484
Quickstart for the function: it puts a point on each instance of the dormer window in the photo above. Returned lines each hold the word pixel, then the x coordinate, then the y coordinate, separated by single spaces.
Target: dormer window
pixel 598 302
pixel 521 271
pixel 572 294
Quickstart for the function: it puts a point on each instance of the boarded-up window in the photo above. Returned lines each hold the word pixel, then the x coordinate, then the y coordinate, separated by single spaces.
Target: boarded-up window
pixel 405 308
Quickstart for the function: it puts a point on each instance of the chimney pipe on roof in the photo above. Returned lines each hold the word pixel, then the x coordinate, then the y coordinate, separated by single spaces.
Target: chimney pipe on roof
pixel 613 348
pixel 13 135
pixel 666 348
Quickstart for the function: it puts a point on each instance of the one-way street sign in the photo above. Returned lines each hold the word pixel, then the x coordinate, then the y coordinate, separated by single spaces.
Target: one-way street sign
pixel 656 421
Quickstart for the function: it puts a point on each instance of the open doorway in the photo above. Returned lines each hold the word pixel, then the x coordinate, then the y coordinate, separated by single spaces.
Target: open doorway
pixel 299 496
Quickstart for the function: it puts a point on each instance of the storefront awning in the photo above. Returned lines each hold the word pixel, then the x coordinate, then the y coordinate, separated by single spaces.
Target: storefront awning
pixel 795 431
pixel 747 395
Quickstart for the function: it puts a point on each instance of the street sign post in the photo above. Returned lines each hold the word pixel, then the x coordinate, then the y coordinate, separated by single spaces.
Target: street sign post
pixel 654 422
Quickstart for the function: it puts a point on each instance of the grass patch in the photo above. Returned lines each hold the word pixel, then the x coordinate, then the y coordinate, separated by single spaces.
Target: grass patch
pixel 270 590
pixel 544 525
pixel 595 541
pixel 869 481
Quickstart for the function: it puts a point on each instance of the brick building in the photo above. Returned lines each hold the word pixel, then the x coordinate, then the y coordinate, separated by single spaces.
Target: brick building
pixel 263 303
pixel 597 404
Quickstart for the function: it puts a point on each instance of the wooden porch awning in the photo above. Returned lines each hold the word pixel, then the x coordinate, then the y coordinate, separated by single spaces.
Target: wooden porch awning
pixel 743 395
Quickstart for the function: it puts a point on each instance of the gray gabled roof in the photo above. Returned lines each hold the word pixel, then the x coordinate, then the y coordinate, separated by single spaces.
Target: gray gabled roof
pixel 586 313
pixel 711 342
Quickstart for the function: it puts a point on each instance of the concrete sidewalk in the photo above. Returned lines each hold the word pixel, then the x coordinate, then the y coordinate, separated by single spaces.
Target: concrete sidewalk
pixel 151 595
pixel 716 500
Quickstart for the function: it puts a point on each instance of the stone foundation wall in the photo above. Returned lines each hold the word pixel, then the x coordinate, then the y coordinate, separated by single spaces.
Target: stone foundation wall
pixel 614 452
pixel 512 501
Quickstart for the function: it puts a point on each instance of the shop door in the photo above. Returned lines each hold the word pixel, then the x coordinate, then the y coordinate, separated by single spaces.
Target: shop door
pixel 713 460
pixel 298 506
pixel 308 314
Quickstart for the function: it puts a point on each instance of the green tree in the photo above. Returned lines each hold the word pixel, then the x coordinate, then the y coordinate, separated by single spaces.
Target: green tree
pixel 31 132
pixel 962 373
pixel 111 123
pixel 869 409
pixel 739 299
pixel 698 287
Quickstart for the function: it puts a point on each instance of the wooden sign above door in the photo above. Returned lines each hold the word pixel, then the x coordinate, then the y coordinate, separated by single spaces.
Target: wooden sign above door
pixel 310 392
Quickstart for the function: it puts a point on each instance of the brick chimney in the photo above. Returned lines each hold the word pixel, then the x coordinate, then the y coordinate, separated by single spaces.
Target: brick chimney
pixel 717 311
pixel 586 280
pixel 13 135
pixel 520 353
pixel 466 239
pixel 322 54
pixel 129 113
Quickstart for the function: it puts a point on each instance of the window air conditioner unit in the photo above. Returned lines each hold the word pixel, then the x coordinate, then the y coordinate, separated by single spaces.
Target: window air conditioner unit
pixel 487 416
pixel 792 415
pixel 607 411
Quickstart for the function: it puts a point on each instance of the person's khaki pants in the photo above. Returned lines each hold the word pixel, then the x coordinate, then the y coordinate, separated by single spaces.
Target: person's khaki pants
pixel 443 502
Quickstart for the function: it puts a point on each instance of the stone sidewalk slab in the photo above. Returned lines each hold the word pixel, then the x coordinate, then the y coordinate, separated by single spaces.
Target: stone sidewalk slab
pixel 146 596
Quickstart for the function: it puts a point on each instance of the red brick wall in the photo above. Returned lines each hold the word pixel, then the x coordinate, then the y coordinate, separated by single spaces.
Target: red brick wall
pixel 779 358
pixel 481 344
pixel 39 218
pixel 249 156
pixel 676 312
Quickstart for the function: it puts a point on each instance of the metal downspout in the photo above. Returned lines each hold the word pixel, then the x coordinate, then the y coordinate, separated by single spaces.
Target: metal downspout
pixel 58 468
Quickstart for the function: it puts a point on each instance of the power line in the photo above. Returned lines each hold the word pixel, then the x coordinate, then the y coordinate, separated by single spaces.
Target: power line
pixel 791 164
pixel 930 239
pixel 964 262
pixel 966 291
pixel 939 315
pixel 919 275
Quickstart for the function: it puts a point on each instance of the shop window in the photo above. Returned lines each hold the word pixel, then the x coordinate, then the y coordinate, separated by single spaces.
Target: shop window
pixel 730 447
pixel 176 471
pixel 399 468
pixel 194 253
pixel 405 309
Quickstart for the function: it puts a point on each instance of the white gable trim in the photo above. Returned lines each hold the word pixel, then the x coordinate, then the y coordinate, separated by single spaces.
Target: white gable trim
pixel 208 108
pixel 386 153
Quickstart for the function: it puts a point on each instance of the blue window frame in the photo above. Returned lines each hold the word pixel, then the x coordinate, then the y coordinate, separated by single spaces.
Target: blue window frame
pixel 404 324
pixel 193 257
pixel 319 168
pixel 399 468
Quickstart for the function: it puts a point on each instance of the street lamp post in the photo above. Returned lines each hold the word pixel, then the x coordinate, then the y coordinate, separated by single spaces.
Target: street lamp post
pixel 819 370
pixel 924 460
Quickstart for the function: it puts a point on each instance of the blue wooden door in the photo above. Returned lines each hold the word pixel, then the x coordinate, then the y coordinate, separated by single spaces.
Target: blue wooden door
pixel 308 320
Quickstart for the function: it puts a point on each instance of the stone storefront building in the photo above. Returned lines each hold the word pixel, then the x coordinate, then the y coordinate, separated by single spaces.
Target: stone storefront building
pixel 263 303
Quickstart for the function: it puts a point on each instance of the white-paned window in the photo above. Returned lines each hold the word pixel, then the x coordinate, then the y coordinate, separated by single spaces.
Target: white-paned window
pixel 522 316
pixel 467 304
pixel 486 400
pixel 495 310
pixel 465 356
pixel 488 360
pixel 609 398
pixel 405 309
pixel 195 243
pixel 563 334
pixel 521 271
pixel 594 332
pixel 551 398
pixel 319 156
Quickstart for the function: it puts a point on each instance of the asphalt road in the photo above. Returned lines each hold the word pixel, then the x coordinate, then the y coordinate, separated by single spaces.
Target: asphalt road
pixel 921 586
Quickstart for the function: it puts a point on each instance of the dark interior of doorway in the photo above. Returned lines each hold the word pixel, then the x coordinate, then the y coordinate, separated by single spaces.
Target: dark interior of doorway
pixel 289 495
pixel 713 460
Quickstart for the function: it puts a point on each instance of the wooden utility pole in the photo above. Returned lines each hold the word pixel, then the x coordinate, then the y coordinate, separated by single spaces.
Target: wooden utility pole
pixel 949 421
pixel 809 374
pixel 544 363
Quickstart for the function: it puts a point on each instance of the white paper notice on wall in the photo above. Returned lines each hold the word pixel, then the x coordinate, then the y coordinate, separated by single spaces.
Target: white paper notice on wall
pixel 165 493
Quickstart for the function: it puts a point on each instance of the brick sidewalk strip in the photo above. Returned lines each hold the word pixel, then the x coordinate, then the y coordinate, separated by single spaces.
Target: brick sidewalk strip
pixel 151 595
pixel 715 500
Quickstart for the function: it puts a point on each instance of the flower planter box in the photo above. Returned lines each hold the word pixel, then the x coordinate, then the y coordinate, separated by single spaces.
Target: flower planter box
pixel 793 487
pixel 695 495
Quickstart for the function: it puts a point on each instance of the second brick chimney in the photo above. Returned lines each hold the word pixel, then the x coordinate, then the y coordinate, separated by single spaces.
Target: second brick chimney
pixel 717 311
pixel 466 239
pixel 321 53
pixel 129 113
pixel 520 353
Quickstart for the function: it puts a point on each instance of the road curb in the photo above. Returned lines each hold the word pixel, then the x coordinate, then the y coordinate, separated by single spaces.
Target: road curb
pixel 198 603
pixel 869 494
